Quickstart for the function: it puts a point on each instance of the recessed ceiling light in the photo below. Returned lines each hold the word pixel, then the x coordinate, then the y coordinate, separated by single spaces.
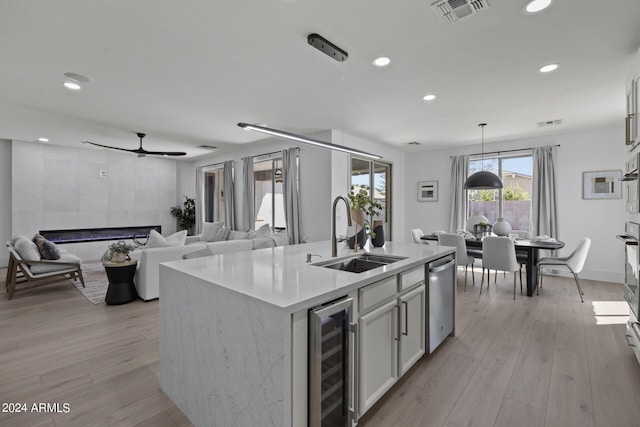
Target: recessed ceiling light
pixel 429 97
pixel 548 68
pixel 535 6
pixel 72 86
pixel 382 61
pixel 43 139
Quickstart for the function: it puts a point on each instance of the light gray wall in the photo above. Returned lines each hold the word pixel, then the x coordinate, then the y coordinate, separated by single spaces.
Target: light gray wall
pixel 590 150
pixel 315 172
pixel 5 196
pixel 56 187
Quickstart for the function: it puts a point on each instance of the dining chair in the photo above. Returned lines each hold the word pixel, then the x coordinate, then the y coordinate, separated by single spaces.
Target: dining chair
pixel 416 233
pixel 574 262
pixel 462 258
pixel 499 253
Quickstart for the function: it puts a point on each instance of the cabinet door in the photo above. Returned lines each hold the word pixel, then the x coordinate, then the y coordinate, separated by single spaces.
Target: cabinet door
pixel 413 334
pixel 378 353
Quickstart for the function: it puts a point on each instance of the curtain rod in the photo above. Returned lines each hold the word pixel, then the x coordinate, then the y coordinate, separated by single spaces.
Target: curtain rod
pixel 215 164
pixel 267 154
pixel 507 151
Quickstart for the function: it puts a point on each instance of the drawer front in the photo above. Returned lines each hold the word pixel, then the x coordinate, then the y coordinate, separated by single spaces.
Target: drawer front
pixel 411 278
pixel 377 293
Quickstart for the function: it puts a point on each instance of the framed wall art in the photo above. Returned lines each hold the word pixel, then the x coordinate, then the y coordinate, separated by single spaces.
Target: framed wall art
pixel 602 185
pixel 428 191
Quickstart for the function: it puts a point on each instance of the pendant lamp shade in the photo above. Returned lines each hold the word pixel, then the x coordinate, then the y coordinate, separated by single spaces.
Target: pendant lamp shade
pixel 483 180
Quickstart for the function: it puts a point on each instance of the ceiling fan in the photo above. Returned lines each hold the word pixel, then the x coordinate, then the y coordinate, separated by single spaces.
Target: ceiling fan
pixel 141 152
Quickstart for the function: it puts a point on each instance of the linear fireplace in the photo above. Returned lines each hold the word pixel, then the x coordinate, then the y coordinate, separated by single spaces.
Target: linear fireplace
pixel 98 234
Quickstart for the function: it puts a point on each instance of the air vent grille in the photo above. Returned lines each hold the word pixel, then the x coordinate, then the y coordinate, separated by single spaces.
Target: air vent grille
pixel 454 10
pixel 550 123
pixel 208 147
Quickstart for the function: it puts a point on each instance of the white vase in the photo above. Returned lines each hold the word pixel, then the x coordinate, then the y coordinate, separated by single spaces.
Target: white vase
pixel 501 227
pixel 475 219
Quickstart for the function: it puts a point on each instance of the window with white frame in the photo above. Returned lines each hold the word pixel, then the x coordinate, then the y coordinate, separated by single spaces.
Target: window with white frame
pixel 374 174
pixel 213 197
pixel 268 199
pixel 513 201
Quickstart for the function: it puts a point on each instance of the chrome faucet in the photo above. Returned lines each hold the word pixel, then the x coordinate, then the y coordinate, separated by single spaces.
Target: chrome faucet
pixel 334 247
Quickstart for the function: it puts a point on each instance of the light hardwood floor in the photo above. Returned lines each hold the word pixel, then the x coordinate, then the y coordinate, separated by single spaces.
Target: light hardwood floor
pixel 543 361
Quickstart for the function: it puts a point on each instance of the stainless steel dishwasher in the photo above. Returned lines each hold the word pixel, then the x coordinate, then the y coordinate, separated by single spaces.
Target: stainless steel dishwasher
pixel 441 294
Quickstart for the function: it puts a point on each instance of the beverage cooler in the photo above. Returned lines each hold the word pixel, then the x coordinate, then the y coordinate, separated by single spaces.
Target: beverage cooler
pixel 332 365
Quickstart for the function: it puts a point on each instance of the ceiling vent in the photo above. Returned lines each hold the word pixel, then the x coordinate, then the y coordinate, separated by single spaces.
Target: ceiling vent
pixel 453 10
pixel 208 147
pixel 550 123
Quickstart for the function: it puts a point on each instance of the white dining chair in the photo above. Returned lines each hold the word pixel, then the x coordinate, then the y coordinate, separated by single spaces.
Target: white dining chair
pixel 462 258
pixel 574 262
pixel 499 253
pixel 416 233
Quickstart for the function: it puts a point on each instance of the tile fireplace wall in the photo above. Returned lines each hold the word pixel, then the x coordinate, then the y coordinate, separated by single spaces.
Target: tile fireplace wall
pixel 55 187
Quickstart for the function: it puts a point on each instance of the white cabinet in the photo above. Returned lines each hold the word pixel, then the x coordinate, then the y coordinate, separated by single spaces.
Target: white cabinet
pixel 413 335
pixel 378 353
pixel 392 327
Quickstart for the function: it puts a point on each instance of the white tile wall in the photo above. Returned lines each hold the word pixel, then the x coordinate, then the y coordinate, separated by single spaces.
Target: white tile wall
pixel 55 187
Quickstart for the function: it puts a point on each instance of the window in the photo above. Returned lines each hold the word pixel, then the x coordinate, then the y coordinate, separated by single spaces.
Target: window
pixel 513 202
pixel 213 180
pixel 268 200
pixel 377 175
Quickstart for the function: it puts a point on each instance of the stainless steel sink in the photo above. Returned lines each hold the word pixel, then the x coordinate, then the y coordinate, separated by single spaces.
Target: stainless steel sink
pixel 360 263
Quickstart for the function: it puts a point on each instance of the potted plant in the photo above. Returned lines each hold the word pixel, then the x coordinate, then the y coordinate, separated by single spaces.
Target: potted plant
pixel 362 206
pixel 120 251
pixel 186 215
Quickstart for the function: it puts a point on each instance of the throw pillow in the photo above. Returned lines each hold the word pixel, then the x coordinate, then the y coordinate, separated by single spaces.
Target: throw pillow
pixel 208 228
pixel 237 235
pixel 157 240
pixel 47 249
pixel 264 231
pixel 27 250
pixel 219 234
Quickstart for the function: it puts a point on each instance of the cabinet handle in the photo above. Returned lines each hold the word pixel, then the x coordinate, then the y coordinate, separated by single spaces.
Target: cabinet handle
pixel 398 328
pixel 406 318
pixel 627 123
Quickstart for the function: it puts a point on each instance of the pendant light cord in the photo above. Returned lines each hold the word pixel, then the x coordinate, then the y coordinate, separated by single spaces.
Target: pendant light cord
pixel 482 125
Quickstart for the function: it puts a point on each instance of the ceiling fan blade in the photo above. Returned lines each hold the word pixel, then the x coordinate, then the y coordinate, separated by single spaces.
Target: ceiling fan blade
pixel 166 153
pixel 107 146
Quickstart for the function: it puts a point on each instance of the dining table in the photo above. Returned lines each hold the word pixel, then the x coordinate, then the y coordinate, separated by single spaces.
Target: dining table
pixel 526 249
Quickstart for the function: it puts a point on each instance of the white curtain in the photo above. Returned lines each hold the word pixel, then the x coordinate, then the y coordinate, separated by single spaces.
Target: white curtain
pixel 544 200
pixel 291 194
pixel 199 200
pixel 229 195
pixel 248 208
pixel 458 207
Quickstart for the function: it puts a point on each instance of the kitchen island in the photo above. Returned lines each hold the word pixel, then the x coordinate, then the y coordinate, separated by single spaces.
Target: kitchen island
pixel 233 327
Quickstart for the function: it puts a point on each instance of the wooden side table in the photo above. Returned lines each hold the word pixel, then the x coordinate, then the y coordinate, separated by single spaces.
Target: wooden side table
pixel 121 287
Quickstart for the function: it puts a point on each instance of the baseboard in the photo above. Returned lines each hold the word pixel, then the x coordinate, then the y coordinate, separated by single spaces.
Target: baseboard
pixel 599 275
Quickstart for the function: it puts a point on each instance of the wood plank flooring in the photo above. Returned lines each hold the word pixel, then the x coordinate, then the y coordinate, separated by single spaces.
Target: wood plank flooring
pixel 547 361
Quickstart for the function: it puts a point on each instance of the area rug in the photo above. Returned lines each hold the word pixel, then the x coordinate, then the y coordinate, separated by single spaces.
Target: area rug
pixel 95 279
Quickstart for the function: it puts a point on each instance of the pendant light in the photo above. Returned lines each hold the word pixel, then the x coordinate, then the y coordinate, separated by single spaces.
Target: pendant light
pixel 483 180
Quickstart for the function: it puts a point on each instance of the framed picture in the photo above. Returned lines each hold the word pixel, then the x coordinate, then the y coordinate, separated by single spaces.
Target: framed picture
pixel 602 185
pixel 428 191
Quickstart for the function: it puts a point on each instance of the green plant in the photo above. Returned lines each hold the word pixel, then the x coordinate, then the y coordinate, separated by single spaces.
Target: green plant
pixel 186 215
pixel 120 247
pixel 362 200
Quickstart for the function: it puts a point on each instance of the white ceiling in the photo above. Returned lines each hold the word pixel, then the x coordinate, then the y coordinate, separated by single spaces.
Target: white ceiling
pixel 187 72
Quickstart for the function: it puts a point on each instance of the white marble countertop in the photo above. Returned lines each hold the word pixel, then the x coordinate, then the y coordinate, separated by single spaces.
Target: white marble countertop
pixel 282 277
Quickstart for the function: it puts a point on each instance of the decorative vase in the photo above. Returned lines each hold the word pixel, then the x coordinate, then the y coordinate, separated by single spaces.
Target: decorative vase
pixel 362 237
pixel 501 227
pixel 475 219
pixel 378 231
pixel 357 217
